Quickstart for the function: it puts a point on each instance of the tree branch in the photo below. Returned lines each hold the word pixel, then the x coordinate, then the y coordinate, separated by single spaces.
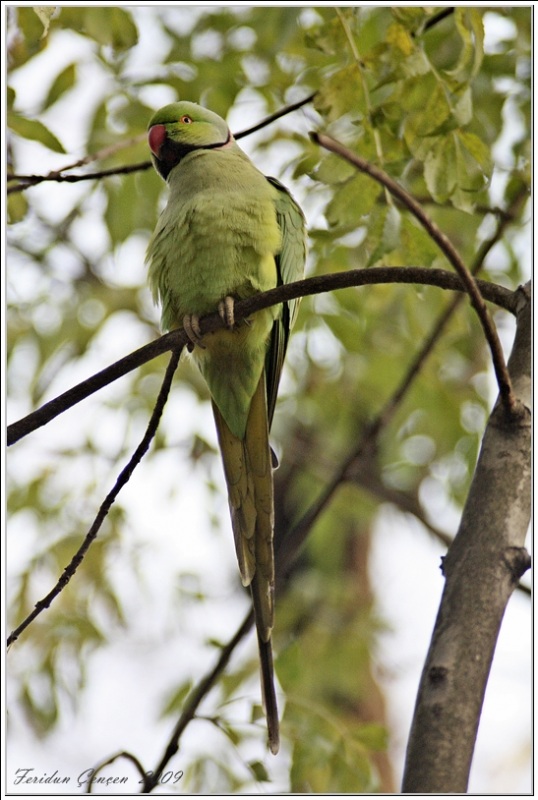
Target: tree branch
pixel 277 115
pixel 441 15
pixel 447 248
pixel 194 700
pixel 123 478
pixel 408 503
pixel 33 180
pixel 122 754
pixel 244 308
pixel 482 568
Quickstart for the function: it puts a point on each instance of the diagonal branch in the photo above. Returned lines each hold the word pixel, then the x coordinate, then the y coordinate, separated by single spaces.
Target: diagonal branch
pixel 244 308
pixel 194 700
pixel 282 112
pixel 438 17
pixel 447 248
pixel 123 478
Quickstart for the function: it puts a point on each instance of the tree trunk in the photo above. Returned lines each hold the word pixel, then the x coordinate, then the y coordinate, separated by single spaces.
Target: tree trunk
pixel 482 567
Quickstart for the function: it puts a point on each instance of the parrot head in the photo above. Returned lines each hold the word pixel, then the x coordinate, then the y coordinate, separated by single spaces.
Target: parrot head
pixel 180 128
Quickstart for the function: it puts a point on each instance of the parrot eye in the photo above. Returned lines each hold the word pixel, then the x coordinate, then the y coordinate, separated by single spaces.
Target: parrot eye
pixel 185 120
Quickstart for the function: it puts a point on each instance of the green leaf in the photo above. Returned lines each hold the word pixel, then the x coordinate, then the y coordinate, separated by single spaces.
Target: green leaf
pixel 390 220
pixel 391 228
pixel 234 736
pixel 429 108
pixel 29 39
pixel 34 130
pixel 478 151
pixel 334 170
pixel 258 771
pixel 344 329
pixel 440 171
pixel 463 106
pixel 470 26
pixel 111 26
pixel 400 39
pixel 410 16
pixel 457 166
pixel 416 244
pixel 353 200
pixel 330 37
pixel 175 701
pixel 45 14
pixel 118 215
pixel 341 93
pixel 61 84
pixel 374 737
pixel 17 207
pixel 473 169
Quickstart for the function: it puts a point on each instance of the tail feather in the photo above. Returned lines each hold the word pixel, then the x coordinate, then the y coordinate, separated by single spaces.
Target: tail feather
pixel 268 683
pixel 248 470
pixel 241 496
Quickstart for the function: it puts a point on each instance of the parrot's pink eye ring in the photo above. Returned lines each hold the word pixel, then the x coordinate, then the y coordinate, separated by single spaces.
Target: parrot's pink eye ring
pixel 185 120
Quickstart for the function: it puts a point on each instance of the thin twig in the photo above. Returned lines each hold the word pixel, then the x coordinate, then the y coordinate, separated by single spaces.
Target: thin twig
pixel 244 308
pixel 441 15
pixel 277 115
pixel 194 700
pixel 445 245
pixel 123 478
pixel 48 411
pixel 33 180
pixel 122 754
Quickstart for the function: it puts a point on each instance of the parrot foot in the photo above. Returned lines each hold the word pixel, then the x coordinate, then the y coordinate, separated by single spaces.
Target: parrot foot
pixel 191 326
pixel 226 311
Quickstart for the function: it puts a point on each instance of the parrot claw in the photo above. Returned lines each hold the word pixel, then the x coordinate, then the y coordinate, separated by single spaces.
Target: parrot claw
pixel 191 326
pixel 226 311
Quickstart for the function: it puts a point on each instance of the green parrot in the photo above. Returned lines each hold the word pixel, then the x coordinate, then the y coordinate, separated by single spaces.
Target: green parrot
pixel 226 233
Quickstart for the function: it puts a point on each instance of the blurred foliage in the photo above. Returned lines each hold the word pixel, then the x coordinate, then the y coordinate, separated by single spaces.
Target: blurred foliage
pixel 442 102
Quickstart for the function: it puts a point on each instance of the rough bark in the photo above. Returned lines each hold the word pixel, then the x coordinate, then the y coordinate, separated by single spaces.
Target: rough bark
pixel 482 568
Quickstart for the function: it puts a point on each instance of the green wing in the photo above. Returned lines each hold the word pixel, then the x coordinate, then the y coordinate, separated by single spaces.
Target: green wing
pixel 290 265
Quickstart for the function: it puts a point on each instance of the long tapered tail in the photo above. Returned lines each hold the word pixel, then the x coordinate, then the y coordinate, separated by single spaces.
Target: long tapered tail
pixel 267 676
pixel 248 470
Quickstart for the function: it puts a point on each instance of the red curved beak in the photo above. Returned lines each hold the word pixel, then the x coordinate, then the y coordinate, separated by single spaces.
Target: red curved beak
pixel 156 137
